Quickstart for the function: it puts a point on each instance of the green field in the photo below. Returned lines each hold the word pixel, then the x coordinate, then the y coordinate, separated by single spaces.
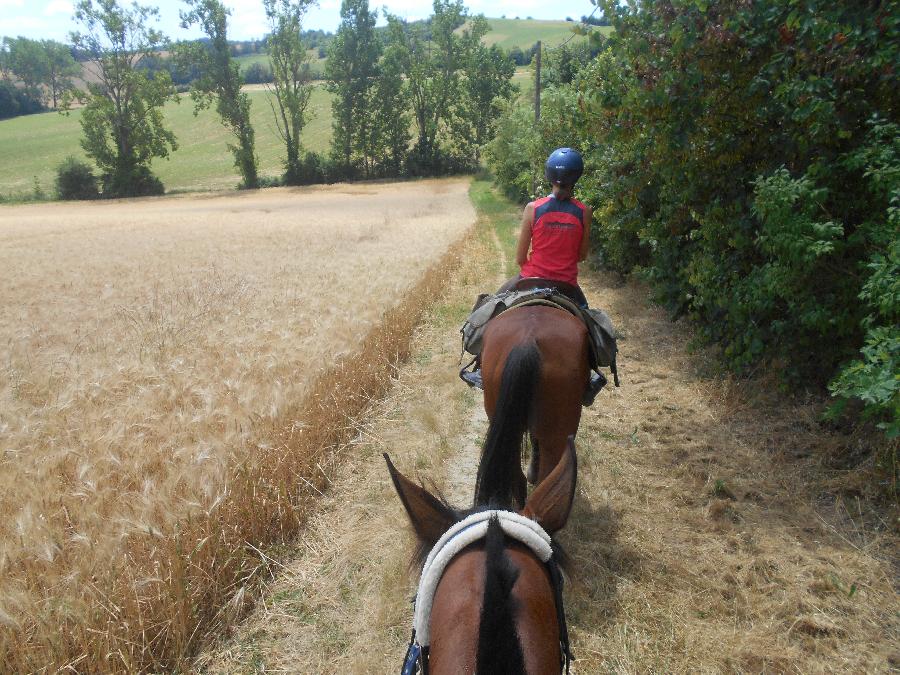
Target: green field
pixel 32 146
pixel 317 65
pixel 523 33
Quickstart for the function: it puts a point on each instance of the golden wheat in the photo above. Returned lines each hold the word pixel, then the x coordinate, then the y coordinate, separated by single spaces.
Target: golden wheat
pixel 171 372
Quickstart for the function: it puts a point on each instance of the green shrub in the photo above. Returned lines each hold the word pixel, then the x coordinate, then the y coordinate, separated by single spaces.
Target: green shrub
pixel 746 158
pixel 16 101
pixel 512 154
pixel 269 181
pixel 875 378
pixel 138 182
pixel 257 73
pixel 75 180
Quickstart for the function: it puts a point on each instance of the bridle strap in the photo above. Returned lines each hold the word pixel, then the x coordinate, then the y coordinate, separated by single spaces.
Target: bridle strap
pixel 557 578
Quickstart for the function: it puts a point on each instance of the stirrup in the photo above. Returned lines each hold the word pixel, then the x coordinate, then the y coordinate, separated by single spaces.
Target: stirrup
pixel 598 381
pixel 472 378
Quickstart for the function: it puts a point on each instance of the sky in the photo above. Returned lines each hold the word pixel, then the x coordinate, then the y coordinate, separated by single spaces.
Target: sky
pixel 39 19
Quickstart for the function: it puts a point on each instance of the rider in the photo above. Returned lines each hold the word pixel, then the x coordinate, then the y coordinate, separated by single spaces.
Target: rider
pixel 555 228
pixel 554 238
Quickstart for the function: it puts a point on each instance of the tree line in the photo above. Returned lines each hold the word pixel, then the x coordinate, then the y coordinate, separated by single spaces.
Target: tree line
pixel 745 159
pixel 43 69
pixel 409 99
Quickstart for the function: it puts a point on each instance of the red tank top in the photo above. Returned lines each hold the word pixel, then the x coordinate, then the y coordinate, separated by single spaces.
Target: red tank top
pixel 555 240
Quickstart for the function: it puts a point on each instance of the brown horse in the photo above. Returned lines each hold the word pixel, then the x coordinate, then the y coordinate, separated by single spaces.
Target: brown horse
pixel 497 605
pixel 534 364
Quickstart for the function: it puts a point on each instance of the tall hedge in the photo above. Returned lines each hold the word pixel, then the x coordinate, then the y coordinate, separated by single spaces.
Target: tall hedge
pixel 746 157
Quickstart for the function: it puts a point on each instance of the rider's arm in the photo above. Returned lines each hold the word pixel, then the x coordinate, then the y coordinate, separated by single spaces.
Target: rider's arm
pixel 525 235
pixel 585 235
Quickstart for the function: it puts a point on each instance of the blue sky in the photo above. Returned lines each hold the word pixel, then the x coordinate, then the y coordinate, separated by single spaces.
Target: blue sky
pixel 53 18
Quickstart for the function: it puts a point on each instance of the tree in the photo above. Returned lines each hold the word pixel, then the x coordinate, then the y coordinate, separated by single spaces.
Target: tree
pixel 352 73
pixel 220 78
pixel 14 102
pixel 432 66
pixel 122 120
pixel 44 67
pixel 28 64
pixel 5 60
pixel 390 115
pixel 291 73
pixel 485 91
pixel 61 68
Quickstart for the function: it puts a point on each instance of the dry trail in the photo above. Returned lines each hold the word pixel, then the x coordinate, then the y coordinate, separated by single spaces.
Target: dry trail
pixel 710 533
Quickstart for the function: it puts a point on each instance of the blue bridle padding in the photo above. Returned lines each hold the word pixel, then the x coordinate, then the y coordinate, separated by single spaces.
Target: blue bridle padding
pixel 412 660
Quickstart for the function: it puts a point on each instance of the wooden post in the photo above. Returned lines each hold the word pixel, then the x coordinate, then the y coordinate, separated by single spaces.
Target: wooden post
pixel 537 104
pixel 537 84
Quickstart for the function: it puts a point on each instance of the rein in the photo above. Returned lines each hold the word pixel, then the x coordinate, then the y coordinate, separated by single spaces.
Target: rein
pixel 467 531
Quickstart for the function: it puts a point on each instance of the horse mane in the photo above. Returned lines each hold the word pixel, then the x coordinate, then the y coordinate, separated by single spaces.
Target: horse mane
pixel 499 649
pixel 501 456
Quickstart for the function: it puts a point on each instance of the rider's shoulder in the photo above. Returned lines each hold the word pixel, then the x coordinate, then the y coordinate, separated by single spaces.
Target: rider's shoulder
pixel 537 202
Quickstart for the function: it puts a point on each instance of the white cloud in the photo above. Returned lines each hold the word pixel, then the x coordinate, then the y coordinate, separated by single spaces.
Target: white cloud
pixel 11 3
pixel 63 7
pixel 248 19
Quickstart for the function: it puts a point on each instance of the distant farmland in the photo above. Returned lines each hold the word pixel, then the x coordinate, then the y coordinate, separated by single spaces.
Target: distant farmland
pixel 33 146
pixel 523 33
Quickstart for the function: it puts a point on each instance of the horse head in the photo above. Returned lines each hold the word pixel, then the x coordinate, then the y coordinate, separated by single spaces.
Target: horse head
pixel 490 595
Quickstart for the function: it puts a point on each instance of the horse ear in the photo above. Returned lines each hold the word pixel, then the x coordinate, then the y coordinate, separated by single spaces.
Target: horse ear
pixel 429 516
pixel 551 501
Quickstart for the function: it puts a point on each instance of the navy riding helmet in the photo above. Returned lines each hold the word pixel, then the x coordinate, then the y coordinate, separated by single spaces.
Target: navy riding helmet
pixel 564 167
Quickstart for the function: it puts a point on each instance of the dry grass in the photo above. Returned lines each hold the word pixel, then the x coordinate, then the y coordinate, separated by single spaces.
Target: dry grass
pixel 710 533
pixel 176 374
pixel 342 604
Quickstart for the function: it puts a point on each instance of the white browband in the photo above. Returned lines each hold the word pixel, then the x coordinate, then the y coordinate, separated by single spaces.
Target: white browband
pixel 454 540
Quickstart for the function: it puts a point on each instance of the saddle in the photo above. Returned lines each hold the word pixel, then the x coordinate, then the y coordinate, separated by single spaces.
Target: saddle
pixel 535 291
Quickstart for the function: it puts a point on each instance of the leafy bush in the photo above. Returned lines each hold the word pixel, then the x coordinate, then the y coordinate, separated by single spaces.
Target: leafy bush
pixel 309 171
pixel 15 101
pixel 138 182
pixel 268 182
pixel 512 154
pixel 75 180
pixel 257 73
pixel 746 158
pixel 875 378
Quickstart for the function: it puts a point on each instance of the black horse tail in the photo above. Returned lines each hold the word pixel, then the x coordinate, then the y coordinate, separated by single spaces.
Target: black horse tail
pixel 499 650
pixel 499 482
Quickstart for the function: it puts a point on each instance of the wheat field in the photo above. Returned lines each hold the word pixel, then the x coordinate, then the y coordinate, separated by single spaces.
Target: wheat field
pixel 161 359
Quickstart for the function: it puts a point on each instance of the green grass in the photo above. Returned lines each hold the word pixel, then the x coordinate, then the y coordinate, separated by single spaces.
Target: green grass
pixel 34 145
pixel 499 214
pixel 317 65
pixel 523 33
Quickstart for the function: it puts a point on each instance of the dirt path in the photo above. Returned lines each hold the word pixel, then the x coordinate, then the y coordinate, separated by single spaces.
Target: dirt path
pixel 462 467
pixel 709 534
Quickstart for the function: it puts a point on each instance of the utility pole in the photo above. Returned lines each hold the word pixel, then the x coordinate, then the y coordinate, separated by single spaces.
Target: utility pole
pixel 537 104
pixel 537 84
